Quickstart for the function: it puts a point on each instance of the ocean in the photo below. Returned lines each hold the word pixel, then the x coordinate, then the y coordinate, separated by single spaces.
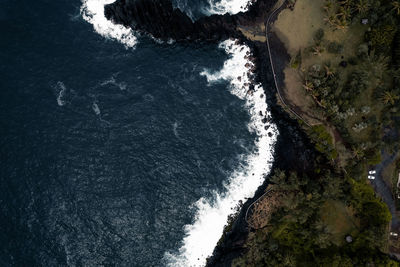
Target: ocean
pixel 118 149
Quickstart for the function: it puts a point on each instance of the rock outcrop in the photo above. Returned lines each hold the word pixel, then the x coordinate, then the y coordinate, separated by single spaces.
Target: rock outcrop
pixel 159 19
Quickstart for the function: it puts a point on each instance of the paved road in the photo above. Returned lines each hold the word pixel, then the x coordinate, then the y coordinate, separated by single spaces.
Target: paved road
pixel 267 23
pixel 383 190
pixel 379 184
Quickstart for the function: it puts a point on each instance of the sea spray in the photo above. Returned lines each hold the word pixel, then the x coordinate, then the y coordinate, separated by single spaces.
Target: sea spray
pixel 228 6
pixel 202 236
pixel 93 12
pixel 60 87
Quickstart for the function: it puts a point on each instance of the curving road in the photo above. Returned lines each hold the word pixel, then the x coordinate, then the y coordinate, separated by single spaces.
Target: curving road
pixel 267 23
pixel 383 190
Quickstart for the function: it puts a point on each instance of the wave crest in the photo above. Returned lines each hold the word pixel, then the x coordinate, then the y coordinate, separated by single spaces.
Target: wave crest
pixel 93 12
pixel 202 236
pixel 228 6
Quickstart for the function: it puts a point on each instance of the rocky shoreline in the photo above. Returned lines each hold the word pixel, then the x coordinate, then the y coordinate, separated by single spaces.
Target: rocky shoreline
pixel 159 19
pixel 293 150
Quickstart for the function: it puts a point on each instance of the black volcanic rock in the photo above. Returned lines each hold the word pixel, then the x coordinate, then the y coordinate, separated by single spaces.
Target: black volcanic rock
pixel 155 17
pixel 162 21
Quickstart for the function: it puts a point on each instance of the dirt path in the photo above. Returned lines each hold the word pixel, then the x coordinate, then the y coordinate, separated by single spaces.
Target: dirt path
pixel 267 24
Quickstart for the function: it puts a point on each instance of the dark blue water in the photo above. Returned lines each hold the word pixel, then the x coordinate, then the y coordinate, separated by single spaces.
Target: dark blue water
pixel 105 149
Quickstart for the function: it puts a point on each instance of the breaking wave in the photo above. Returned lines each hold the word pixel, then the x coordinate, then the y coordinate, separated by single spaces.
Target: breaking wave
pixel 202 236
pixel 60 87
pixel 228 6
pixel 93 12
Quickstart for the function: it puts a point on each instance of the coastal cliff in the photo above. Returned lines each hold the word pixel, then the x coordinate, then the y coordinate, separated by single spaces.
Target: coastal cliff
pixel 159 19
pixel 323 207
pixel 293 149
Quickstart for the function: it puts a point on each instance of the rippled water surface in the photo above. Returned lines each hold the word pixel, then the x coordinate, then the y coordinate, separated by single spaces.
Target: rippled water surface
pixel 105 149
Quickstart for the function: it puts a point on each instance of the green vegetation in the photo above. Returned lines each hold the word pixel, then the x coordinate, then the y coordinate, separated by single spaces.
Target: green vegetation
pixel 352 74
pixel 323 141
pixel 310 226
pixel 296 61
pixel 339 220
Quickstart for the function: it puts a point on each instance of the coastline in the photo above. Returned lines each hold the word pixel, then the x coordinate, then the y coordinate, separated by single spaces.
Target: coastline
pixel 298 150
pixel 293 149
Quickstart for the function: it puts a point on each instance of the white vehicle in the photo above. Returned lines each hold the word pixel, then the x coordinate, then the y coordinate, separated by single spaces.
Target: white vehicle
pixel 371 177
pixel 372 172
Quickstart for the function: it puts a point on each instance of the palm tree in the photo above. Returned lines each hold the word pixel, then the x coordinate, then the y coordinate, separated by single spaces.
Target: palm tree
pixel 344 2
pixel 329 4
pixel 344 12
pixel 322 103
pixel 309 86
pixel 389 97
pixel 376 65
pixel 289 259
pixel 362 6
pixel 329 72
pixel 396 74
pixel 357 152
pixel 396 6
pixel 341 24
pixel 317 50
pixel 330 19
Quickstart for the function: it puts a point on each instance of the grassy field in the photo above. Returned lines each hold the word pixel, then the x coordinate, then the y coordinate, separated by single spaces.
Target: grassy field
pixel 333 75
pixel 339 221
pixel 344 81
pixel 296 31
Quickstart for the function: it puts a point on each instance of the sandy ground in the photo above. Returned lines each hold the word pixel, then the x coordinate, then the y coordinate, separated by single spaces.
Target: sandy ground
pixel 296 28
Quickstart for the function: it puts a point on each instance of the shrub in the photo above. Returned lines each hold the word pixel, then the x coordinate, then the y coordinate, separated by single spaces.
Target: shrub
pixel 319 35
pixel 323 141
pixel 396 50
pixel 374 158
pixel 296 61
pixel 376 213
pixel 335 48
pixel 362 50
pixel 382 37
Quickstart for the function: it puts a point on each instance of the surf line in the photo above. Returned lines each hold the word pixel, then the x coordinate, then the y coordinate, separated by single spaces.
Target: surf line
pixel 92 11
pixel 202 236
pixel 228 6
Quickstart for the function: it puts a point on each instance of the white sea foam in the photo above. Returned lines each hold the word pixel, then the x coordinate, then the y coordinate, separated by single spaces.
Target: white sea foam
pixel 175 129
pixel 228 6
pixel 121 85
pixel 96 108
pixel 61 93
pixel 202 236
pixel 93 12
